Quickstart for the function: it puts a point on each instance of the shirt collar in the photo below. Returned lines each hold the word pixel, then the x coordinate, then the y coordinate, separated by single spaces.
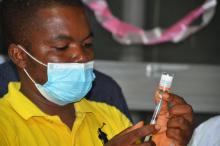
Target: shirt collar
pixel 20 103
pixel 84 106
pixel 27 109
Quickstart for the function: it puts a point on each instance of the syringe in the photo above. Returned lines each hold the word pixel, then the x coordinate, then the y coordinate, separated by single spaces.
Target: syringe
pixel 156 111
pixel 164 86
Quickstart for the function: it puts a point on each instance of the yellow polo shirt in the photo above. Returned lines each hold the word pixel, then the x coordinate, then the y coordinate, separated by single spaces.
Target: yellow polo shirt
pixel 22 123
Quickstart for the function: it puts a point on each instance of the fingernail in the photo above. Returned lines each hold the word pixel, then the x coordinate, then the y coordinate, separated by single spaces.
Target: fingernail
pixel 166 96
pixel 139 123
pixel 157 127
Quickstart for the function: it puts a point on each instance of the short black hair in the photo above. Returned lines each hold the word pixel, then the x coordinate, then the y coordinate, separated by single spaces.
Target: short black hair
pixel 17 14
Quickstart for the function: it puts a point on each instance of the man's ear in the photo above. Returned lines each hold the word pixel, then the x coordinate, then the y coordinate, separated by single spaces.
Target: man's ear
pixel 17 55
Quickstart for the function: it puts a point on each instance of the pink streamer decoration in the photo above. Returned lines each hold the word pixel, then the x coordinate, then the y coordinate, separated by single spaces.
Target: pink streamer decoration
pixel 112 24
pixel 128 34
pixel 180 26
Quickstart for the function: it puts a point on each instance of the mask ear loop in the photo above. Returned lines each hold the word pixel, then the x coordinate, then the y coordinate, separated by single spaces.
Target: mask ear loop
pixel 32 56
pixel 29 76
pixel 34 60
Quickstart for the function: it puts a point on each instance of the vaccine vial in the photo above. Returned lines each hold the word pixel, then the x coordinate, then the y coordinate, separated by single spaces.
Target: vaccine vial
pixel 165 82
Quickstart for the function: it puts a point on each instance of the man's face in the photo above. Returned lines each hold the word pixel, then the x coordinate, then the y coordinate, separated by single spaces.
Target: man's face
pixel 62 34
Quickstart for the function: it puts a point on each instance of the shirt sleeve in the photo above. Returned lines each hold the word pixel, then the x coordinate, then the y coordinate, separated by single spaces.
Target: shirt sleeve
pixel 125 122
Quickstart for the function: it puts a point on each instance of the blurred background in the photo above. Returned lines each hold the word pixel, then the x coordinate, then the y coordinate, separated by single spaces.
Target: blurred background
pixel 201 48
pixel 137 68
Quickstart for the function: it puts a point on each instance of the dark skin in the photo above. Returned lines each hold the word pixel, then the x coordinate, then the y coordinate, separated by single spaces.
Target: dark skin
pixel 62 34
pixel 175 120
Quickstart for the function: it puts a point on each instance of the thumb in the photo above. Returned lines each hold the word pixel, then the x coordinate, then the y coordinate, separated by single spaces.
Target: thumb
pixel 163 115
pixel 136 126
pixel 164 107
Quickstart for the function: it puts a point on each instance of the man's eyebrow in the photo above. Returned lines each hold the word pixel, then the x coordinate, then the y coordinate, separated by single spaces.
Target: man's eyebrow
pixel 65 37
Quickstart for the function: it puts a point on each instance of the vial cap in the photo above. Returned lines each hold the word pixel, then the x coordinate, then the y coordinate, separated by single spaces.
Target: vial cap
pixel 166 81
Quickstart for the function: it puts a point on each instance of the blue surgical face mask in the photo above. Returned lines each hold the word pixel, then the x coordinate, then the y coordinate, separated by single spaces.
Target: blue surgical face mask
pixel 67 82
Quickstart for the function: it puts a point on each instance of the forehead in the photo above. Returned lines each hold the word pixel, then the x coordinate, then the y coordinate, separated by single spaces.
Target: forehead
pixel 62 20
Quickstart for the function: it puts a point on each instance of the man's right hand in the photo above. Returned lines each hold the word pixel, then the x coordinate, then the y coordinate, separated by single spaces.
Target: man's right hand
pixel 132 135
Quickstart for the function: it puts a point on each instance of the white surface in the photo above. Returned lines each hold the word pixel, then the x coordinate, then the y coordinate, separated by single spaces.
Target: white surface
pixel 207 134
pixel 198 84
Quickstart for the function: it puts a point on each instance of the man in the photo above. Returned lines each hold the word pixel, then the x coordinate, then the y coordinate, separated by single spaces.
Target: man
pixel 51 44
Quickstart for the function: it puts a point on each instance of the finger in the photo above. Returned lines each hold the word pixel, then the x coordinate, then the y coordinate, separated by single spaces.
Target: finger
pixel 139 133
pixel 179 122
pixel 165 95
pixel 149 143
pixel 178 136
pixel 184 110
pixel 164 112
pixel 136 126
pixel 183 122
pixel 175 99
pixel 164 106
